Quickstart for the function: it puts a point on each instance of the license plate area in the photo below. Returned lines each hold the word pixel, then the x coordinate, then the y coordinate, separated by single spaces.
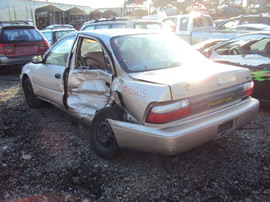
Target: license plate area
pixel 225 128
pixel 219 102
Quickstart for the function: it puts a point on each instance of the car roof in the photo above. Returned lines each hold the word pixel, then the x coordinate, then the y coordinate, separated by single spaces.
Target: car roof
pixel 58 26
pixel 190 15
pixel 57 30
pixel 21 24
pixel 107 34
pixel 117 32
pixel 116 21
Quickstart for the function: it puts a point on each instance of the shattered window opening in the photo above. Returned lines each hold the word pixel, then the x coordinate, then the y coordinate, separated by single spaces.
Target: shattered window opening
pixel 91 55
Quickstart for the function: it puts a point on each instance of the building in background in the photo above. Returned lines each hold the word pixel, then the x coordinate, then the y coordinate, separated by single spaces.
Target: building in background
pixel 44 13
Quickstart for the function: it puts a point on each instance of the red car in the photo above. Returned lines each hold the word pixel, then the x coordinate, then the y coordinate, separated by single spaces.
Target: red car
pixel 19 43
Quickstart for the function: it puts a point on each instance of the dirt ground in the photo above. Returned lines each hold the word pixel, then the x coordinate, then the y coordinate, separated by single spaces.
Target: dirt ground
pixel 45 155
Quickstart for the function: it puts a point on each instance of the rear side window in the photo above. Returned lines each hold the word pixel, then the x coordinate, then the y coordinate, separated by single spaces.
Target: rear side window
pixel 118 26
pixel 48 36
pixel 105 26
pixel 91 27
pixel 144 25
pixel 22 34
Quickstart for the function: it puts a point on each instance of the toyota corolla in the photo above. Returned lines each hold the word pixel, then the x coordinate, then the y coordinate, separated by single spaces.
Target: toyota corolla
pixel 140 90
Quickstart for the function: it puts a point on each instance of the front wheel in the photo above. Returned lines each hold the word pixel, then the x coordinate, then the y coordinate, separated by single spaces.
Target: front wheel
pixel 102 136
pixel 31 99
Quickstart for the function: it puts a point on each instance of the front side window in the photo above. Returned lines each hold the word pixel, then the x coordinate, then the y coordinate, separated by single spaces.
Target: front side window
pixel 59 54
pixel 91 55
pixel 137 53
pixel 244 45
pixel 260 45
pixel 22 34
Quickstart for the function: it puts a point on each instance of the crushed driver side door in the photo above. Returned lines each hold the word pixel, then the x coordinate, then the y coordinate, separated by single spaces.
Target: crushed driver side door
pixel 89 81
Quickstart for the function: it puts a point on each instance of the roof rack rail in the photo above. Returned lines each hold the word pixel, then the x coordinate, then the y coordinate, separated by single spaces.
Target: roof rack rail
pixel 111 19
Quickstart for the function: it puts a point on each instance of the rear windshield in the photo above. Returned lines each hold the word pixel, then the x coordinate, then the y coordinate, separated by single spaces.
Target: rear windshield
pixel 22 34
pixel 137 53
pixel 59 34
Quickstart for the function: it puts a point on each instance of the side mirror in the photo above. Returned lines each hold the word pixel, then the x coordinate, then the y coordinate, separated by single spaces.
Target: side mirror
pixel 37 59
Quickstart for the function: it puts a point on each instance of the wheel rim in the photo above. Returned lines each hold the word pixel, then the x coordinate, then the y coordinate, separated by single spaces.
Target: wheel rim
pixel 105 136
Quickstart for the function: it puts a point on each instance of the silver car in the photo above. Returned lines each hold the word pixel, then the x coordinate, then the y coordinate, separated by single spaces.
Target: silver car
pixel 140 90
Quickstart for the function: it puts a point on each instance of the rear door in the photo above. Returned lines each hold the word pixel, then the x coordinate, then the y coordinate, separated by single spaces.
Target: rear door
pixel 23 41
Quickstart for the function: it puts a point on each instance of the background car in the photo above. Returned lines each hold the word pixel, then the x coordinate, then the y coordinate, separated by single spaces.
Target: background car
pixel 136 87
pixel 205 45
pixel 19 42
pixel 249 28
pixel 60 26
pixel 244 19
pixel 251 51
pixel 122 24
pixel 53 35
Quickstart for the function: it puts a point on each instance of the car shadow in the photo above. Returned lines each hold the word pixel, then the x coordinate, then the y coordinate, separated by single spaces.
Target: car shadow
pixel 11 72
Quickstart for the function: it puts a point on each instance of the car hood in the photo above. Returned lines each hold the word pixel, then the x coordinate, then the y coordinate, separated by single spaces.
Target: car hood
pixel 195 78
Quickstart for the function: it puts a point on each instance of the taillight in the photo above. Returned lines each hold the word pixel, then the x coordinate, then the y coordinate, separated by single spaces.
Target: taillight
pixel 7 49
pixel 1 49
pixel 248 88
pixel 169 112
pixel 43 46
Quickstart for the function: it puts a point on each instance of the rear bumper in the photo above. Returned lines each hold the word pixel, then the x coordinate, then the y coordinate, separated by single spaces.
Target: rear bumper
pixel 186 135
pixel 5 61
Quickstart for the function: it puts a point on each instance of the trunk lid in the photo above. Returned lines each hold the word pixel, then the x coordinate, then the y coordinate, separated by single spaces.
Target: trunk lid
pixel 24 49
pixel 192 79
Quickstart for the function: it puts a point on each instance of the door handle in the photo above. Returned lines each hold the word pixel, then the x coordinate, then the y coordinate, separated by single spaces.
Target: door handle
pixel 58 76
pixel 108 84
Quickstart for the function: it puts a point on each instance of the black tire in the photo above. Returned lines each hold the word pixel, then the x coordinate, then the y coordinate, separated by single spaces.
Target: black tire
pixel 31 99
pixel 102 138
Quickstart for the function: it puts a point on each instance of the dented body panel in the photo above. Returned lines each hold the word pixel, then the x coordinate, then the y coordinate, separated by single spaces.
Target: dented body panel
pixel 87 92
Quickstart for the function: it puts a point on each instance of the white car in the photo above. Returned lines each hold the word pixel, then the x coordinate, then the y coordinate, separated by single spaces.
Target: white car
pixel 140 90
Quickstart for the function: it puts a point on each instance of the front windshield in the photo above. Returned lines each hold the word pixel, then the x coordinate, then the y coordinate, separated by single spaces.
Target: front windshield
pixel 136 53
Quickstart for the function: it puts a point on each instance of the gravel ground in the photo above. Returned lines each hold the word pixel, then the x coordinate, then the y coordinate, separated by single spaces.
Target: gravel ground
pixel 46 155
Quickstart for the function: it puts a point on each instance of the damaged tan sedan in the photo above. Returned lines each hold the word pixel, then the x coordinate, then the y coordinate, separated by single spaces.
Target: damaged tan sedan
pixel 140 90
